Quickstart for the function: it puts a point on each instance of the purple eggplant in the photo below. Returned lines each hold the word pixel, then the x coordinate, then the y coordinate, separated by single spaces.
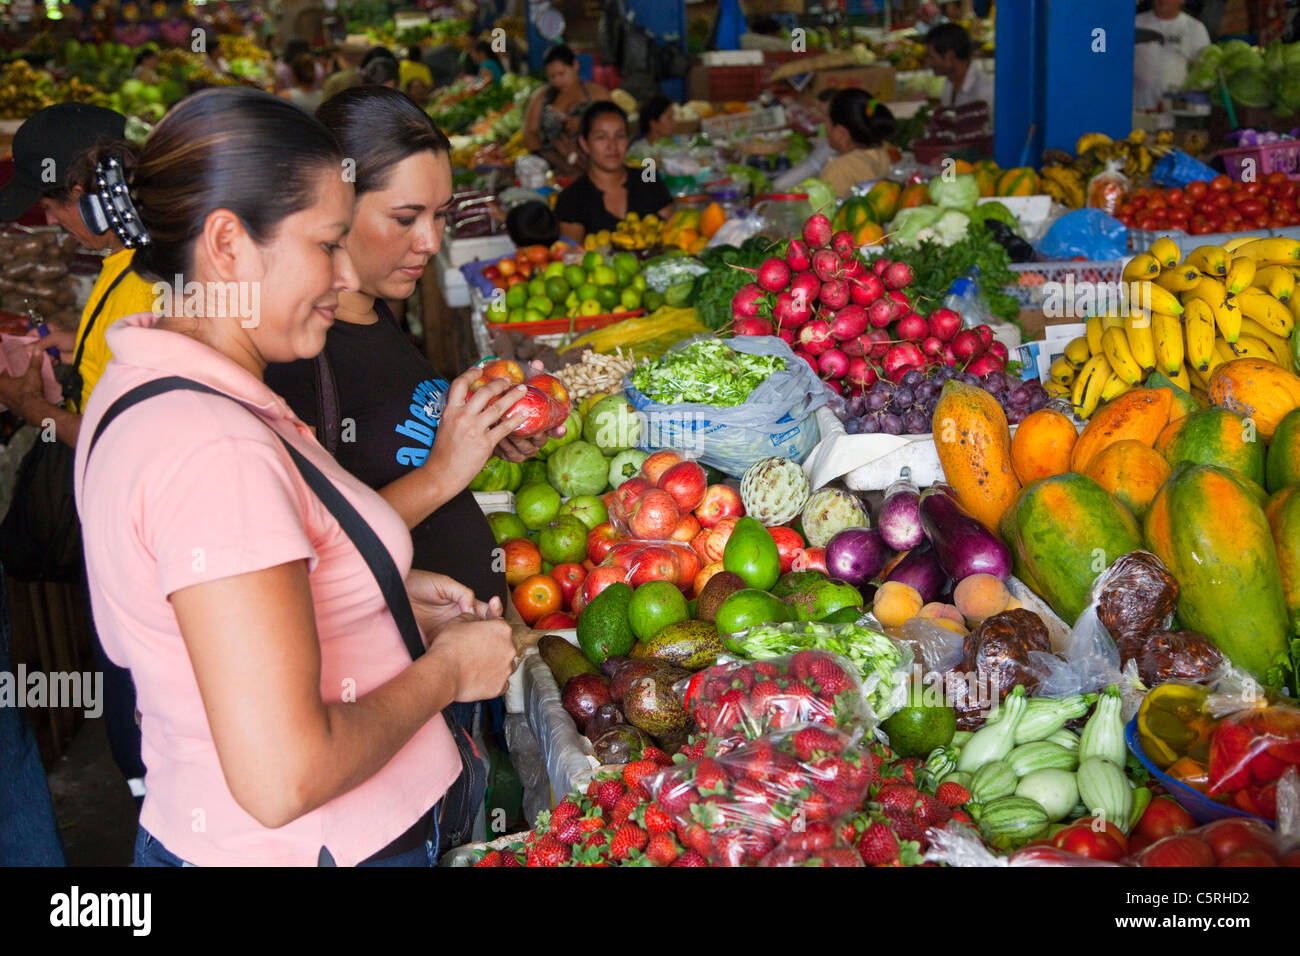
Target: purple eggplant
pixel 920 569
pixel 899 520
pixel 963 545
pixel 856 555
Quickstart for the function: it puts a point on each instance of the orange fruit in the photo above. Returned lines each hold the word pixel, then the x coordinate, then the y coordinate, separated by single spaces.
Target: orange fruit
pixel 537 596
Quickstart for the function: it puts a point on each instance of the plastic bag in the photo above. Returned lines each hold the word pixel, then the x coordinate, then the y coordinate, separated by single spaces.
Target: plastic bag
pixel 776 420
pixel 959 845
pixel 1133 597
pixel 1106 190
pixel 1250 750
pixel 737 808
pixel 1000 650
pixel 1176 168
pixel 745 700
pixel 1089 233
pixel 637 562
pixel 733 232
pixel 937 649
pixel 819 843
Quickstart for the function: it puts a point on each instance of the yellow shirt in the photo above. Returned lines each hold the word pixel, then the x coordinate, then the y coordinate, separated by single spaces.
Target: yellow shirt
pixel 857 166
pixel 133 294
pixel 409 70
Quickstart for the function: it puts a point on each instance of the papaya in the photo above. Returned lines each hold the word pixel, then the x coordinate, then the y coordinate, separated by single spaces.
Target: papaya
pixel 1069 529
pixel 1282 466
pixel 1141 415
pixel 1021 181
pixel 1130 471
pixel 882 200
pixel 914 194
pixel 1214 436
pixel 711 219
pixel 869 234
pixel 1009 532
pixel 1283 513
pixel 962 166
pixel 1208 526
pixel 1042 445
pixel 974 445
pixel 1181 401
pixel 1261 391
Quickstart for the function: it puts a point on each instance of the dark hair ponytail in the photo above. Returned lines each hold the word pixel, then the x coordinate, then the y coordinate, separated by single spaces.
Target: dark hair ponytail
pixel 229 148
pixel 378 127
pixel 869 123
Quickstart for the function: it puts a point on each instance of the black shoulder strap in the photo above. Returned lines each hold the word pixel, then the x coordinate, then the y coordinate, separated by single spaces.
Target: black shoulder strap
pixel 99 307
pixel 329 420
pixel 354 526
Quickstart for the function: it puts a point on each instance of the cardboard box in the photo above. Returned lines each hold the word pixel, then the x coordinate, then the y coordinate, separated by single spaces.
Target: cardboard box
pixel 877 80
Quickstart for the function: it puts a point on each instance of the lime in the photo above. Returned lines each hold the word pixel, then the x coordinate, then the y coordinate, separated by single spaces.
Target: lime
pixel 630 300
pixel 587 291
pixel 589 307
pixel 554 270
pixel 588 509
pixel 539 303
pixel 532 315
pixel 558 310
pixel 652 300
pixel 506 526
pixel 654 606
pixel 921 725
pixel 537 505
pixel 556 289
pixel 639 283
pixel 497 310
pixel 605 275
pixel 591 260
pixel 516 296
pixel 607 296
pixel 575 275
pixel 536 287
pixel 626 262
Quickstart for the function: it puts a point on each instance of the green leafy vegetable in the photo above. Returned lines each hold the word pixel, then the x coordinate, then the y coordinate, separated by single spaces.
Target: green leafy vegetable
pixel 935 266
pixel 715 289
pixel 707 372
pixel 820 195
pixel 960 192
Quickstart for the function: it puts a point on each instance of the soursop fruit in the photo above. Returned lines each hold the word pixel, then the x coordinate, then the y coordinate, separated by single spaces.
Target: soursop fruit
pixel 773 491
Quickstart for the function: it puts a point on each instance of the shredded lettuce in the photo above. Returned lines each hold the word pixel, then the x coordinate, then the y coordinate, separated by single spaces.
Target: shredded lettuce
pixel 707 372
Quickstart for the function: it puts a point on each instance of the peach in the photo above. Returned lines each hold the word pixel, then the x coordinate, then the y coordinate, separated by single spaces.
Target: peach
pixel 936 609
pixel 978 596
pixel 954 626
pixel 895 603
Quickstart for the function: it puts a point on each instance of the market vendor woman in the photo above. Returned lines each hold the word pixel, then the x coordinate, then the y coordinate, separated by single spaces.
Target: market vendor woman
pixel 857 127
pixel 552 117
pixel 610 189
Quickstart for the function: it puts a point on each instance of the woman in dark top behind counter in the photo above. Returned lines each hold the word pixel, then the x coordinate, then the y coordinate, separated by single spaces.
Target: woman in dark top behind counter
pixel 401 427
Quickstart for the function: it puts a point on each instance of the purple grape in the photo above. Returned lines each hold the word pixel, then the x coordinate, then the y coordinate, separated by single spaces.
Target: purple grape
pixel 1038 400
pixel 925 391
pixel 903 396
pixel 876 400
pixel 868 426
pixel 994 383
pixel 916 422
pixel 891 424
pixel 851 426
pixel 1015 416
pixel 912 378
pixel 1019 395
pixel 857 405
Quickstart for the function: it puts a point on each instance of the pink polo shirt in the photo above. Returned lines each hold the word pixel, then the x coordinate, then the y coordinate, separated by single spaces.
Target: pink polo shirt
pixel 188 487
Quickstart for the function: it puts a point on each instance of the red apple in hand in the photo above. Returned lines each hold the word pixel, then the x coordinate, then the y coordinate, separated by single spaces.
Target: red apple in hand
pixel 788 545
pixel 537 410
pixel 720 501
pixel 570 577
pixel 655 516
pixel 686 482
pixel 654 466
pixel 505 369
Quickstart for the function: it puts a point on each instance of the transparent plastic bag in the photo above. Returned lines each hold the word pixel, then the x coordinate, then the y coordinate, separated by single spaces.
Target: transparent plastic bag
pixel 638 562
pixel 818 844
pixel 1250 751
pixel 959 845
pixel 1106 190
pixel 935 648
pixel 737 808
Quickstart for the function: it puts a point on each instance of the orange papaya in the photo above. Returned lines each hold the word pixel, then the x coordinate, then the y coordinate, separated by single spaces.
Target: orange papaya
pixel 1130 471
pixel 1214 436
pixel 1283 512
pixel 1261 391
pixel 1282 468
pixel 974 445
pixel 1141 415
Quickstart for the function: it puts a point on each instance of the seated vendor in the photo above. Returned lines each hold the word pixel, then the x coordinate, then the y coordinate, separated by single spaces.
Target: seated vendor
pixel 609 190
pixel 856 128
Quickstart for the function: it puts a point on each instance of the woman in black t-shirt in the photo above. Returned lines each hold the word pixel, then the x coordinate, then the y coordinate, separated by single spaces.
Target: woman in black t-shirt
pixel 610 189
pixel 400 426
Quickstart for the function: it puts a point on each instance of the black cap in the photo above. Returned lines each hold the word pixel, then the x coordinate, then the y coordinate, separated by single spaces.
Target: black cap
pixel 60 133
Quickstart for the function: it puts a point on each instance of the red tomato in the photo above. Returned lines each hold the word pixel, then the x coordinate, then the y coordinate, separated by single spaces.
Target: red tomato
pixel 570 577
pixel 1174 197
pixel 1126 219
pixel 1104 844
pixel 1157 203
pixel 1264 222
pixel 1147 222
pixel 1227 837
pixel 1200 227
pixel 536 597
pixel 1275 178
pixel 1249 858
pixel 1220 183
pixel 1179 214
pixel 1197 189
pixel 1250 208
pixel 1163 817
pixel 1284 191
pixel 1137 202
pixel 1178 851
pixel 1252 189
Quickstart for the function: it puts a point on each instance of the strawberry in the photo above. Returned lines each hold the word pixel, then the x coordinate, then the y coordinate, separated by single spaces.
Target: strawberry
pixel 587 856
pixel 660 758
pixel 709 775
pixel 818 806
pixel 816 835
pixel 747 790
pixel 596 839
pixel 961 816
pixel 909 765
pixel 730 848
pixel 589 823
pixel 766 669
pixel 878 845
pixel 952 793
pixel 490 858
pixel 830 677
pixel 662 849
pixel 678 797
pixel 743 677
pixel 897 799
pixel 838 856
pixel 626 804
pixel 629 837
pixel 755 761
pixel 812 740
pixel 699 747
pixel 564 812
pixel 509 859
pixel 763 692
pixel 635 772
pixel 548 851
pixel 568 832
pixel 608 793
pixel 801 663
pixel 690 858
pixel 592 789
pixel 654 819
pixel 931 812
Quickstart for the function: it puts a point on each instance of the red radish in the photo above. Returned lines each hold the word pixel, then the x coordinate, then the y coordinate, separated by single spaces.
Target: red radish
pixel 788 313
pixel 833 363
pixel 773 275
pixel 855 268
pixel 849 322
pixel 986 363
pixel 861 374
pixel 854 347
pixel 804 287
pixel 902 304
pixel 841 386
pixel 896 376
pixel 880 341
pixel 834 294
pixel 826 264
pixel 911 326
pixel 796 255
pixel 897 276
pixel 843 244
pixel 949 356
pixel 880 265
pixel 815 337
pixel 752 326
pixel 749 301
pixel 880 313
pixel 811 360
pixel 944 324
pixel 966 345
pixel 905 355
pixel 787 336
pixel 986 336
pixel 932 346
pixel 817 231
pixel 999 348
pixel 866 289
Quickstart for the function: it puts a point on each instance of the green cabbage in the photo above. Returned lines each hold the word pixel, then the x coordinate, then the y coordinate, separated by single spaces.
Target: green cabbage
pixel 820 195
pixel 961 192
pixel 951 227
pixel 1240 61
pixel 994 210
pixel 1250 88
pixel 908 224
pixel 1288 91
pixel 1202 77
pixel 1273 60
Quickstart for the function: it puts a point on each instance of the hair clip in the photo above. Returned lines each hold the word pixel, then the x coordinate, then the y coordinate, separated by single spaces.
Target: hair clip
pixel 111 207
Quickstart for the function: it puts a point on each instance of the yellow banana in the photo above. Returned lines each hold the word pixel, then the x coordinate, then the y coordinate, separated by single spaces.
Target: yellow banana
pixel 1277 281
pixel 1077 351
pixel 1141 342
pixel 1274 251
pixel 1240 275
pixel 1180 378
pixel 1223 349
pixel 1142 266
pixel 1198 377
pixel 1166 252
pixel 1148 295
pixel 1198 331
pixel 1167 336
pixel 1057 390
pixel 1094 328
pixel 1201 397
pixel 1086 392
pixel 1250 347
pixel 1180 278
pixel 1232 246
pixel 1111 320
pixel 1280 344
pixel 1216 359
pixel 1226 309
pixel 1062 371
pixel 1114 344
pixel 1211 260
pixel 1115 387
pixel 1265 310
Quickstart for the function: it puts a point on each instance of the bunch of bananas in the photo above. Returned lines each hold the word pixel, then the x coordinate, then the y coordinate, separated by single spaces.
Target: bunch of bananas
pixel 1184 317
pixel 633 232
pixel 76 90
pixel 514 147
pixel 1064 183
pixel 24 90
pixel 1065 177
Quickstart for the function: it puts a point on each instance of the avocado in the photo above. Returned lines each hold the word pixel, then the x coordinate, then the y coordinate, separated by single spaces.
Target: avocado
pixel 824 597
pixel 750 607
pixel 632 671
pixel 845 615
pixel 718 588
pixel 653 706
pixel 792 582
pixel 603 628
pixel 564 660
pixel 690 644
pixel 620 744
pixel 751 553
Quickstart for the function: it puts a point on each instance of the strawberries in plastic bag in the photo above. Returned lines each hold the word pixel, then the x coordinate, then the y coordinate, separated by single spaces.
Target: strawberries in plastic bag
pixel 1251 749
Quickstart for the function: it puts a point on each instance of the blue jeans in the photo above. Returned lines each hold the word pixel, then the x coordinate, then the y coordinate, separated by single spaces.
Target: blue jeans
pixel 149 852
pixel 28 833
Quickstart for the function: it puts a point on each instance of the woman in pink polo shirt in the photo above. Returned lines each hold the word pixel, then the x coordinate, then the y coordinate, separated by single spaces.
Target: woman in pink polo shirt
pixel 283 719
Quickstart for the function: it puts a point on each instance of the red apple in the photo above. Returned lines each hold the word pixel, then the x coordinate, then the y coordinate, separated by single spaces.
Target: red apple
pixel 523 560
pixel 688 566
pixel 554 389
pixel 599 540
pixel 720 501
pixel 498 368
pixel 700 543
pixel 624 554
pixel 708 571
pixel 655 516
pixel 599 579
pixel 627 495
pixel 654 466
pixel 654 564
pixel 788 545
pixel 686 529
pixel 537 410
pixel 811 559
pixel 717 540
pixel 570 577
pixel 686 482
pixel 555 621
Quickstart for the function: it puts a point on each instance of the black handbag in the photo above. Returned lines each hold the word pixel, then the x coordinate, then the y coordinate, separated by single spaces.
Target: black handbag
pixel 40 537
pixel 462 800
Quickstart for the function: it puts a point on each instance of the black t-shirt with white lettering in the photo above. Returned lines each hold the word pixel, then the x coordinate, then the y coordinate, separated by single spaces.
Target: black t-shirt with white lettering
pixel 583 202
pixel 394 399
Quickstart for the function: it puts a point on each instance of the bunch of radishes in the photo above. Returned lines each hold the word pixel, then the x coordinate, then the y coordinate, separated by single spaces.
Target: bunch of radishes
pixel 852 321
